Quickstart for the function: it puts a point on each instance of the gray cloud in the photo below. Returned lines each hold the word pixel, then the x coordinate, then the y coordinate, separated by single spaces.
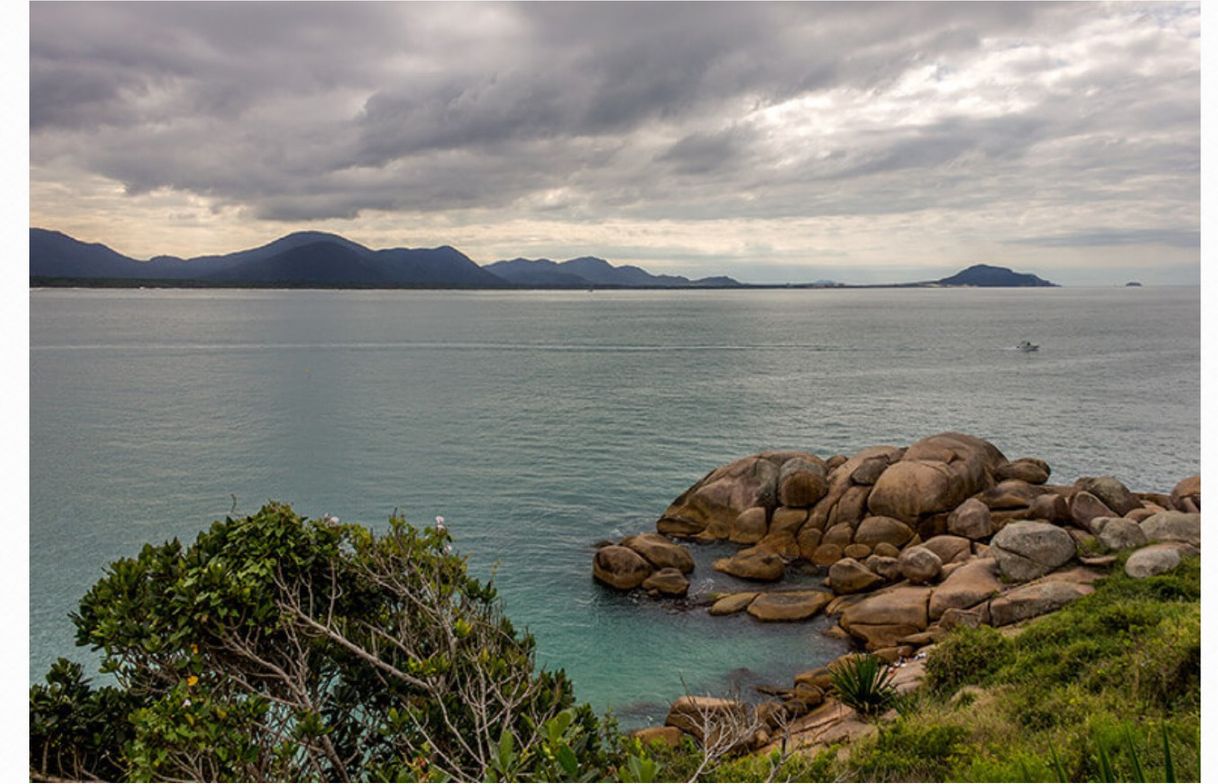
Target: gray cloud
pixel 589 111
pixel 1110 237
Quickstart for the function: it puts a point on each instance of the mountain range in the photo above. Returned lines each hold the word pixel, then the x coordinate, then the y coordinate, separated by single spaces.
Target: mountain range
pixel 306 259
pixel 312 259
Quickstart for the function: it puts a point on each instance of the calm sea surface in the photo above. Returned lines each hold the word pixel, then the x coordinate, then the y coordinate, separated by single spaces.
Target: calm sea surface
pixel 538 423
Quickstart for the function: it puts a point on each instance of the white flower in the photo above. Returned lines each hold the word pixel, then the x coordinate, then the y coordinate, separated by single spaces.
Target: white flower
pixel 440 524
pixel 186 703
pixel 448 548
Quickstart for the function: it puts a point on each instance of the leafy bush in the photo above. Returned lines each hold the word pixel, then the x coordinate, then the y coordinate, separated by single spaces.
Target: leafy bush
pixel 863 682
pixel 281 648
pixel 966 657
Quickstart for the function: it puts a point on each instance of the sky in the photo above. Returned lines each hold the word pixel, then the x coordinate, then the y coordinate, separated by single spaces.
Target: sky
pixel 770 142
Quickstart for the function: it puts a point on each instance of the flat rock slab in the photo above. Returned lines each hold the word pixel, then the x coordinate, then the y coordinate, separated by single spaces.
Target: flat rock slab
pixel 732 603
pixel 1029 601
pixel 788 605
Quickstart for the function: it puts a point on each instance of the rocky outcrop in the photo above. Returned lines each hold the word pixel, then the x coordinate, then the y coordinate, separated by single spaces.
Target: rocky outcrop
pixel 718 499
pixel 620 567
pixel 1026 550
pixel 883 618
pixel 935 475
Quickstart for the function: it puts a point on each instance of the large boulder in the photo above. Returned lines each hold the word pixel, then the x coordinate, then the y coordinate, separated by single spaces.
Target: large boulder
pixel 1173 526
pixel 968 586
pixel 1109 489
pixel 788 605
pixel 883 618
pixel 620 567
pixel 876 529
pixel 1186 495
pixel 664 736
pixel 801 482
pixel 1085 507
pixel 919 565
pixel 1027 549
pixel 718 498
pixel 1120 534
pixel 1027 469
pixel 752 564
pixel 1029 601
pixel 1156 559
pixel 669 582
pixel 787 520
pixel 660 552
pixel 935 475
pixel 835 505
pixel 972 520
pixel 849 576
pixel 749 527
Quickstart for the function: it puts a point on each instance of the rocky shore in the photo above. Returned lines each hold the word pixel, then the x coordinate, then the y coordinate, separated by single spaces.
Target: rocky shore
pixel 911 542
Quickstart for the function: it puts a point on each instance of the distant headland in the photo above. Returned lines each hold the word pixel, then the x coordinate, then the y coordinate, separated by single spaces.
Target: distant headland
pixel 322 260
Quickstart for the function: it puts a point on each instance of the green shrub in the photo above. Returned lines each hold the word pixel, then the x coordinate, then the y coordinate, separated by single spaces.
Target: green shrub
pixel 910 750
pixel 280 648
pixel 863 682
pixel 966 657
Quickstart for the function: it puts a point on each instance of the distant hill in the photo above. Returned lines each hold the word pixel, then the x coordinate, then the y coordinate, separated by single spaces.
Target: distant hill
pixel 987 275
pixel 301 259
pixel 590 271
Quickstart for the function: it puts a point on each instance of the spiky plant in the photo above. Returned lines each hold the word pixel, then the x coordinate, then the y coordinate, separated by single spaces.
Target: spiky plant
pixel 864 683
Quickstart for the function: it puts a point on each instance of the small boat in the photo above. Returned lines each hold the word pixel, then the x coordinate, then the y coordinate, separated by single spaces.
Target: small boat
pixel 1025 346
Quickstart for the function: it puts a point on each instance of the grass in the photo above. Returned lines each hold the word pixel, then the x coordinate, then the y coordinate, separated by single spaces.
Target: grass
pixel 1105 689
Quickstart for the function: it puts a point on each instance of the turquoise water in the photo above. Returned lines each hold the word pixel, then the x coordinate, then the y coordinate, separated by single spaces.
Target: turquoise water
pixel 539 423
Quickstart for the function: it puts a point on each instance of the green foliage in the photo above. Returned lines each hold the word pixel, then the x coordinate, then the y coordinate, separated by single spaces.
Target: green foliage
pixel 281 648
pixel 863 682
pixel 1107 688
pixel 968 656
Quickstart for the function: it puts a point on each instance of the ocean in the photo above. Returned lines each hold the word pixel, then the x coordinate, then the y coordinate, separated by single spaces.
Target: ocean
pixel 538 423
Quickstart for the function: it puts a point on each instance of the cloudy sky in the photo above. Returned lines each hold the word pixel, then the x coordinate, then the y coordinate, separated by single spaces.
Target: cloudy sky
pixel 786 142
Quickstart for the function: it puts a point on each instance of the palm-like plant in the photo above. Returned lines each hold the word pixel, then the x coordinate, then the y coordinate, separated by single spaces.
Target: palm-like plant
pixel 863 682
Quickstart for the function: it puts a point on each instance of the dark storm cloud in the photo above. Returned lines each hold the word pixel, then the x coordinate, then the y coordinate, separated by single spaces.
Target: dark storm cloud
pixel 297 112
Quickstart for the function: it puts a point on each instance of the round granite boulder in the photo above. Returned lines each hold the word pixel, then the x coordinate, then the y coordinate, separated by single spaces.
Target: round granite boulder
pixel 877 529
pixel 1109 489
pixel 919 565
pixel 1028 549
pixel 849 576
pixel 1173 526
pixel 972 520
pixel 801 483
pixel 1026 469
pixel 1085 507
pixel 935 475
pixel 1119 533
pixel 1156 559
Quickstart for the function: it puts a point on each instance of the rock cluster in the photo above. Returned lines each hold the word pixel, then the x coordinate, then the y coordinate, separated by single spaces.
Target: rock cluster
pixel 915 541
pixel 650 561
